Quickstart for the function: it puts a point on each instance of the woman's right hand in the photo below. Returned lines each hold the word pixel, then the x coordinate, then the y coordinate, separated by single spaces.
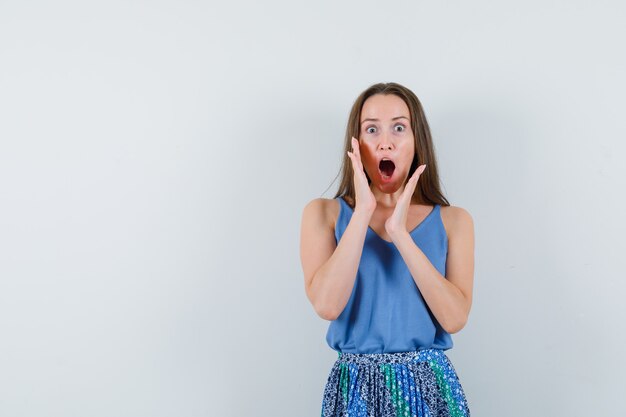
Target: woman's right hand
pixel 365 200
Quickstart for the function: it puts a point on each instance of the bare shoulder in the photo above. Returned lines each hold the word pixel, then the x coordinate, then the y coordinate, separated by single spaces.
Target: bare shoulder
pixel 321 212
pixel 456 220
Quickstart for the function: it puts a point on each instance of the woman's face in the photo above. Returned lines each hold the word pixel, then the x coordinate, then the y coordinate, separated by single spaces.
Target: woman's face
pixel 385 133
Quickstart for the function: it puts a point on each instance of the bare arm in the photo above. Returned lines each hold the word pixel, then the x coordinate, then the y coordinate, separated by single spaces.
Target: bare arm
pixel 329 268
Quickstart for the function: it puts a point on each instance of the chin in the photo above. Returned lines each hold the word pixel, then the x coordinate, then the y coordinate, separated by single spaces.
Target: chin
pixel 389 188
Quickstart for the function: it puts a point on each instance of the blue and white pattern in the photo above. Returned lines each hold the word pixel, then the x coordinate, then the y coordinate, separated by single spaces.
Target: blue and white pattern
pixel 422 383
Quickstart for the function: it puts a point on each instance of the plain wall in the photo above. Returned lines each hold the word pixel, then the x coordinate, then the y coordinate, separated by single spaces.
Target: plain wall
pixel 155 158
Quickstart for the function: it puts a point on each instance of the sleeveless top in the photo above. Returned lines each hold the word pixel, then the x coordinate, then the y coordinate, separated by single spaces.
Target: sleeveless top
pixel 386 312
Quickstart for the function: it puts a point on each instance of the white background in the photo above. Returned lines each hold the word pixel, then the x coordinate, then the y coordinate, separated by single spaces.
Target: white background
pixel 155 158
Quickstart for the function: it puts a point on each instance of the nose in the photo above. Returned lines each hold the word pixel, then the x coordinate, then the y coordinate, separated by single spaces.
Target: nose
pixel 385 142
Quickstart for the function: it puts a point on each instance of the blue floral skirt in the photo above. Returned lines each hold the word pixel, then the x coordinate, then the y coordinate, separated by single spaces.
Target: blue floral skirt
pixel 422 383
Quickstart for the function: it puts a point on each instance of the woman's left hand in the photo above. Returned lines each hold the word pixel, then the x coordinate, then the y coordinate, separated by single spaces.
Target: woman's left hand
pixel 396 223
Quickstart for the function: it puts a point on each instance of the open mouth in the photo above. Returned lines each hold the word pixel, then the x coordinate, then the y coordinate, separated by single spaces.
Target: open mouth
pixel 386 168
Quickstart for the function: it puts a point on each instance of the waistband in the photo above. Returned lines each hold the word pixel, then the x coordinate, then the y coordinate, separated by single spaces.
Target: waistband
pixel 421 355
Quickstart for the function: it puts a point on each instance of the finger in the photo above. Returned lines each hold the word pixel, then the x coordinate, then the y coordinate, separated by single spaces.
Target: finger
pixel 357 154
pixel 356 166
pixel 351 156
pixel 357 149
pixel 410 187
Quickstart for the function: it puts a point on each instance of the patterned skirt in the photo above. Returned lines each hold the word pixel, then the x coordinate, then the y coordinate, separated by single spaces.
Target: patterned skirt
pixel 422 383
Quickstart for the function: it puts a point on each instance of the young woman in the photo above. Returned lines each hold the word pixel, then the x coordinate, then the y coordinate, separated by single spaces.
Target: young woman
pixel 390 263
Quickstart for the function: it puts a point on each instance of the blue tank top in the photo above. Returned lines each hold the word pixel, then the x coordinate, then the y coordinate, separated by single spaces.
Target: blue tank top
pixel 386 312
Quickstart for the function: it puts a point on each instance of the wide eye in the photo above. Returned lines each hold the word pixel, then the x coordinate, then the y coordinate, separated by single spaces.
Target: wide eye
pixel 368 129
pixel 402 126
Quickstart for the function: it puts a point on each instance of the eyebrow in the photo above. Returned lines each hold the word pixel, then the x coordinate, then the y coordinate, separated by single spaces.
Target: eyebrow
pixel 376 120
